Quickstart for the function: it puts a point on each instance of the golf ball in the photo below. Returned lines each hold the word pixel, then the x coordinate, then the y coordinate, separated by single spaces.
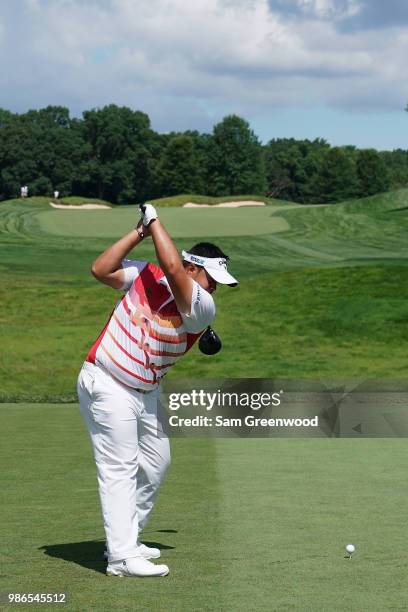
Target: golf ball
pixel 350 548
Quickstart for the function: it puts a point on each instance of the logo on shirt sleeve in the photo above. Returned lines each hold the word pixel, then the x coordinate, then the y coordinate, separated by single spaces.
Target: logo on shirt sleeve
pixel 198 296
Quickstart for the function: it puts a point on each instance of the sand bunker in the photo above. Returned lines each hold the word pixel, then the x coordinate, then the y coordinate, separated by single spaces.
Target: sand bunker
pixel 79 206
pixel 225 204
pixel 188 205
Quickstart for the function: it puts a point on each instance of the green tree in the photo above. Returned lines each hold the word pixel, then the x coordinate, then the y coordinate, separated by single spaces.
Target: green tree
pixel 293 168
pixel 43 149
pixel 60 149
pixel 372 172
pixel 396 163
pixel 338 179
pixel 6 117
pixel 18 161
pixel 113 153
pixel 235 159
pixel 119 167
pixel 179 169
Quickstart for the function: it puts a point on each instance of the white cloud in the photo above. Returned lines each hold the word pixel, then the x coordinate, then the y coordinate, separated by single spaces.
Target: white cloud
pixel 188 63
pixel 329 9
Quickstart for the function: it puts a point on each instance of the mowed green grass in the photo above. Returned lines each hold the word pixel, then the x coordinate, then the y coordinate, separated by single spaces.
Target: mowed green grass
pixel 298 324
pixel 325 298
pixel 243 524
pixel 180 222
pixel 180 200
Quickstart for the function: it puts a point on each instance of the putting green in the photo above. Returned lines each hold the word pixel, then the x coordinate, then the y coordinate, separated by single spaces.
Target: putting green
pixel 180 222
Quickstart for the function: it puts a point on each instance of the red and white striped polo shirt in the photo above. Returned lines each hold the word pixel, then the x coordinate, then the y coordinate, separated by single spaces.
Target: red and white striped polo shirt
pixel 146 334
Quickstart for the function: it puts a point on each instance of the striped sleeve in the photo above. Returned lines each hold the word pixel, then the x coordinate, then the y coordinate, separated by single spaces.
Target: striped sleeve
pixel 131 270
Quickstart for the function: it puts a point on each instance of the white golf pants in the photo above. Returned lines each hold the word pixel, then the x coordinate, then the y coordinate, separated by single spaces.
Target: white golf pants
pixel 131 453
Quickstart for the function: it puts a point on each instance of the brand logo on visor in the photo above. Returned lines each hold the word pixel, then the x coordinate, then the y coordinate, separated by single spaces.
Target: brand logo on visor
pixel 197 260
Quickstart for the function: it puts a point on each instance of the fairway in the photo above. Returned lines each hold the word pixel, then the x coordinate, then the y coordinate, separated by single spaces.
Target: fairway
pixel 244 524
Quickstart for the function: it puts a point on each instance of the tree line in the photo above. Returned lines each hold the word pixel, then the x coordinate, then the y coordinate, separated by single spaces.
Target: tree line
pixel 112 153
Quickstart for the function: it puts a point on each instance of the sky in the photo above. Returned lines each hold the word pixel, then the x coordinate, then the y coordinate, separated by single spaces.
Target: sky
pixel 332 69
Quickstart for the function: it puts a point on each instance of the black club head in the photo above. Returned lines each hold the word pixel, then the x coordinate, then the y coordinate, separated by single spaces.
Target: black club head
pixel 209 343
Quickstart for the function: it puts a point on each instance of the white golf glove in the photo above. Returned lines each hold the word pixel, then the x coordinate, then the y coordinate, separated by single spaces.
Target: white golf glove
pixel 148 213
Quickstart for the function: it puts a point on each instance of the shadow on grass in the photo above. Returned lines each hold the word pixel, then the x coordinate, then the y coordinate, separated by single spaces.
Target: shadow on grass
pixel 397 210
pixel 90 554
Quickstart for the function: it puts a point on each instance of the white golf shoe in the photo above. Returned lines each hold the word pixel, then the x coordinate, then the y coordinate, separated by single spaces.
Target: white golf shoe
pixel 146 552
pixel 136 567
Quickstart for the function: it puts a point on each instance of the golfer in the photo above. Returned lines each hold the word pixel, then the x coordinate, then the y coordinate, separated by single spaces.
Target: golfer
pixel 162 313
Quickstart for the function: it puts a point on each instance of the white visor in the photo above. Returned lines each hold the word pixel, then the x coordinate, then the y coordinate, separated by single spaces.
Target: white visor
pixel 215 266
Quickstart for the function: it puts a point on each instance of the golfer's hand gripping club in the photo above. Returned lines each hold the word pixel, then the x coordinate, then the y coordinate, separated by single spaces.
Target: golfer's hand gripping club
pixel 148 214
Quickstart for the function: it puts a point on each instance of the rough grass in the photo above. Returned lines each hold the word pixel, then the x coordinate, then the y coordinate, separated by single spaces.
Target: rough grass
pixel 327 297
pixel 35 200
pixel 307 324
pixel 72 200
pixel 182 199
pixel 178 200
pixel 78 200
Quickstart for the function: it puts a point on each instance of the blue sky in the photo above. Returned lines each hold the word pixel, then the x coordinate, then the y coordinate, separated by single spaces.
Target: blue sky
pixel 333 69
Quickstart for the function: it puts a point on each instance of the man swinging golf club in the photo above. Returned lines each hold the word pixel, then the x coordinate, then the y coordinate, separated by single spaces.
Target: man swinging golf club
pixel 163 312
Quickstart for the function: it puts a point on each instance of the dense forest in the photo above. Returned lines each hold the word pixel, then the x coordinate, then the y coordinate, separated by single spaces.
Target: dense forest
pixel 113 153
